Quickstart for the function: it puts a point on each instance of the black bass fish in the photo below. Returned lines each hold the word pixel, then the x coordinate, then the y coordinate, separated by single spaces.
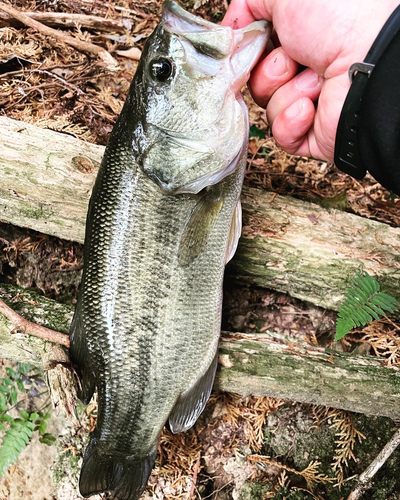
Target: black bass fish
pixel 163 220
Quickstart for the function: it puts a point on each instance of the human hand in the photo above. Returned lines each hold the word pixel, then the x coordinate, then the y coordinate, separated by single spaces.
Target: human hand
pixel 327 37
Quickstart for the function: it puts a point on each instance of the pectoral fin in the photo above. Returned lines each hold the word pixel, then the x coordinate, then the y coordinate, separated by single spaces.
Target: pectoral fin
pixel 192 402
pixel 235 232
pixel 198 227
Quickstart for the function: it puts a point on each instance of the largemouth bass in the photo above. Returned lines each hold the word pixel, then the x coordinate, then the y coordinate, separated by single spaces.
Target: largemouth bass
pixel 163 219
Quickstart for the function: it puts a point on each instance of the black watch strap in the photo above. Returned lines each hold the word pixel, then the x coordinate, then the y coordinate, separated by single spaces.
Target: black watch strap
pixel 347 154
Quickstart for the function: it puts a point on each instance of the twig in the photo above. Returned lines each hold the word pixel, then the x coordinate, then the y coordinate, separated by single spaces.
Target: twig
pixel 194 480
pixel 66 20
pixel 67 84
pixel 374 466
pixel 120 9
pixel 32 328
pixel 105 56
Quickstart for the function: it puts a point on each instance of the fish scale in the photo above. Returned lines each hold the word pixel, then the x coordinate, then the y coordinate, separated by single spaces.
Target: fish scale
pixel 198 321
pixel 146 327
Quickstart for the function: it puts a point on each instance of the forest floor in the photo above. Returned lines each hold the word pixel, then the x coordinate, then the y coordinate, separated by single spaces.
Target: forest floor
pixel 241 448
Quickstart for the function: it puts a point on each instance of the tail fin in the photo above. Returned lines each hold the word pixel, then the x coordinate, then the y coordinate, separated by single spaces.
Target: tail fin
pixel 125 477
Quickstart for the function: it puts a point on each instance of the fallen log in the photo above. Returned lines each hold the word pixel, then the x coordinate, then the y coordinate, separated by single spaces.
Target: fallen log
pixel 266 364
pixel 287 245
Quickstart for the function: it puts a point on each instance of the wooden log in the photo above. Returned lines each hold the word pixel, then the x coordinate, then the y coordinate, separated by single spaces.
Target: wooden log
pixel 310 252
pixel 288 245
pixel 276 365
pixel 265 364
pixel 46 179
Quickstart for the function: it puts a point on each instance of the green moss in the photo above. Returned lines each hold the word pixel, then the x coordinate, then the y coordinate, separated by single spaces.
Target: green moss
pixel 33 213
pixel 290 435
pixel 301 441
pixel 30 306
pixel 291 494
pixel 47 161
pixel 67 465
pixel 254 491
pixel 378 431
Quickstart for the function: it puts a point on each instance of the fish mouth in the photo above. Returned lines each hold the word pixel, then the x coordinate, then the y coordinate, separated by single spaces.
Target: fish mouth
pixel 172 7
pixel 243 46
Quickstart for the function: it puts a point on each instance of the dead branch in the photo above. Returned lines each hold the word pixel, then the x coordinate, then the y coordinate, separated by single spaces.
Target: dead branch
pixel 194 480
pixel 134 12
pixel 105 56
pixel 34 329
pixel 65 20
pixel 64 82
pixel 133 53
pixel 375 465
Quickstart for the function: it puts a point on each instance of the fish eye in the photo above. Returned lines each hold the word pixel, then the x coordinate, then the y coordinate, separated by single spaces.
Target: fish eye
pixel 161 69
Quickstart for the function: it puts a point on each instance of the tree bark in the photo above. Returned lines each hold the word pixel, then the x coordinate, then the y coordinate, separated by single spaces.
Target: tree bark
pixel 287 245
pixel 264 364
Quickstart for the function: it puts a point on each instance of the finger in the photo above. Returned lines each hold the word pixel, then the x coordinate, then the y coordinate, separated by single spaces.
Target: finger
pixel 305 84
pixel 270 74
pixel 291 128
pixel 243 12
pixel 238 15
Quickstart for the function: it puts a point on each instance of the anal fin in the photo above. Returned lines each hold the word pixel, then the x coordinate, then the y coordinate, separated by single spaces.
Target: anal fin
pixel 192 402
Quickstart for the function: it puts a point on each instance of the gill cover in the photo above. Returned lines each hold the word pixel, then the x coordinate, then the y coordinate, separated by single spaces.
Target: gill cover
pixel 194 121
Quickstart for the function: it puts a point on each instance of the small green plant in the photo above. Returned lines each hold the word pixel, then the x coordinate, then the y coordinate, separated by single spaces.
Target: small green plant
pixel 364 303
pixel 256 132
pixel 18 430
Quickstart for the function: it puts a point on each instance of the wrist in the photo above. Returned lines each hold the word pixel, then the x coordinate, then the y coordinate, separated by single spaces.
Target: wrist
pixel 351 129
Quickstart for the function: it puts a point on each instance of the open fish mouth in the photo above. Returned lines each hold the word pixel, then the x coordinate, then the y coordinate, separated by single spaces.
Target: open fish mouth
pixel 243 46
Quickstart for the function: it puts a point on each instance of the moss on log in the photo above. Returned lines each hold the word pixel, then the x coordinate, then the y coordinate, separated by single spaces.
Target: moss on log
pixel 275 365
pixel 310 252
pixel 18 346
pixel 46 179
pixel 264 365
pixel 288 245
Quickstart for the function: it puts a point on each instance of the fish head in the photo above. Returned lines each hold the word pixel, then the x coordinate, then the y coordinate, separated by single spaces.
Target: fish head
pixel 193 125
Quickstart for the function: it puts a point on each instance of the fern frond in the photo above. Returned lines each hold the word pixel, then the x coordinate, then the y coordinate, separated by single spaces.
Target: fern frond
pixel 364 303
pixel 15 440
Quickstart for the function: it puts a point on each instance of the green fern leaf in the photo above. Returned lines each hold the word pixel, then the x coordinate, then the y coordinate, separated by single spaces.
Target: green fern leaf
pixel 14 441
pixel 364 302
pixel 11 373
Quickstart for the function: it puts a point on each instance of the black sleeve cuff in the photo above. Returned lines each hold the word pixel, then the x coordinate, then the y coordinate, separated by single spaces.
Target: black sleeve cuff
pixel 368 135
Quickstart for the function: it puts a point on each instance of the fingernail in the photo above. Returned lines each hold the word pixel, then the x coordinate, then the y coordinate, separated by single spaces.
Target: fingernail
pixel 295 108
pixel 308 79
pixel 277 65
